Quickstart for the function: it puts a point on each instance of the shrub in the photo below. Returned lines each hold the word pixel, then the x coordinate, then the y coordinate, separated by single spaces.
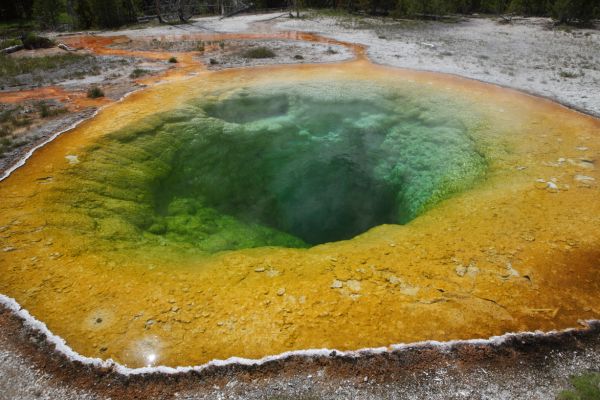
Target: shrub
pixel 9 43
pixel 586 387
pixel 567 74
pixel 298 57
pixel 173 60
pixel 212 61
pixel 136 73
pixel 46 111
pixel 95 92
pixel 259 52
pixel 32 41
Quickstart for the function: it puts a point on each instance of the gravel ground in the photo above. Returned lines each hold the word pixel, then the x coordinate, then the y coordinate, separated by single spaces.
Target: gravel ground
pixel 526 367
pixel 34 136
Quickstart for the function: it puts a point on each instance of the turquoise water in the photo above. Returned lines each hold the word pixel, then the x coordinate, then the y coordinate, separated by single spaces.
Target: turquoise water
pixel 287 166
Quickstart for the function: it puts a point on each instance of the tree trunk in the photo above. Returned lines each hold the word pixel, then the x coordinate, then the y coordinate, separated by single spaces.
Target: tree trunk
pixel 157 7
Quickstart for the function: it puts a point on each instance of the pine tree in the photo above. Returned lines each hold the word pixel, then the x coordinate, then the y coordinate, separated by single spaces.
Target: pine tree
pixel 47 12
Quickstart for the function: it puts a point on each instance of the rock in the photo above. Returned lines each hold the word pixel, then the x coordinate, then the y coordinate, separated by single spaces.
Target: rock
pixel 72 159
pixel 337 284
pixel 7 249
pixel 280 291
pixel 584 178
pixel 259 269
pixel 472 269
pixel 460 270
pixel 551 187
pixel 353 285
pixel 410 290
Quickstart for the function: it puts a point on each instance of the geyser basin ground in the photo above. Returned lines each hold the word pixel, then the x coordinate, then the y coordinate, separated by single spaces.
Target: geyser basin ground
pixel 167 229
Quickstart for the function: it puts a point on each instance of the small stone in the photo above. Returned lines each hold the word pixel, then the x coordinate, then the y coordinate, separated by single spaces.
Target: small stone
pixel 353 285
pixel 460 270
pixel 409 290
pixel 280 291
pixel 551 187
pixel 259 269
pixel 337 284
pixel 472 269
pixel 584 178
pixel 72 159
pixel 7 249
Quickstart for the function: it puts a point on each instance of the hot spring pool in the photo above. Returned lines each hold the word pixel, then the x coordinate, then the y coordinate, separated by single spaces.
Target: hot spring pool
pixel 251 212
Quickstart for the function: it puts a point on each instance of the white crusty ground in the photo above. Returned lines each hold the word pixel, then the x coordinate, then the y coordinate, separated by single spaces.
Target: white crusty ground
pixel 527 54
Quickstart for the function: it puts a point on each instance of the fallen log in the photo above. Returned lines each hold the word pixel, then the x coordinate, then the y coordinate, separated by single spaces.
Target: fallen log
pixel 12 49
pixel 63 46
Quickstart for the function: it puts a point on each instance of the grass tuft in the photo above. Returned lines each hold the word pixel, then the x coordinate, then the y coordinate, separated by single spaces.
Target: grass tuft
pixel 33 41
pixel 585 387
pixel 568 74
pixel 12 66
pixel 95 92
pixel 259 52
pixel 136 73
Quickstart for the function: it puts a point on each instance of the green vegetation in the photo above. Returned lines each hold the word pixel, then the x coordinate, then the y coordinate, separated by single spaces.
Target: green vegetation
pixel 45 110
pixel 95 92
pixel 12 66
pixel 10 42
pixel 13 118
pixel 565 11
pixel 136 73
pixel 49 14
pixel 114 13
pixel 259 52
pixel 33 41
pixel 568 74
pixel 10 120
pixel 173 60
pixel 585 387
